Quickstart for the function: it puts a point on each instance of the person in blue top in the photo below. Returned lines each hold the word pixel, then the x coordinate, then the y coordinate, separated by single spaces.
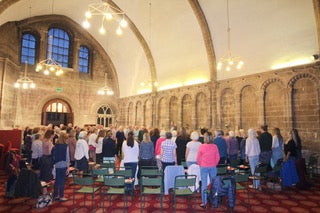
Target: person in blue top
pixel 61 161
pixel 222 146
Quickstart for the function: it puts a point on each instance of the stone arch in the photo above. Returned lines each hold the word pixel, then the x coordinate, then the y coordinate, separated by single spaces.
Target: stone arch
pixel 274 101
pixel 299 76
pixel 270 81
pixel 305 109
pixel 162 113
pixel 249 113
pixel 139 113
pixel 202 111
pixel 227 109
pixel 186 111
pixel 130 114
pixel 56 111
pixel 173 110
pixel 148 113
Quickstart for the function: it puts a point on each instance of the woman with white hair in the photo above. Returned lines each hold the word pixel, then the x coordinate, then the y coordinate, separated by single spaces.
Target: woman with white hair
pixel 192 149
pixel 81 154
pixel 252 154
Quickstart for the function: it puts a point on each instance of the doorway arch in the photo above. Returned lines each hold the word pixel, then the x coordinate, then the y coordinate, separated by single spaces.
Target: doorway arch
pixel 56 111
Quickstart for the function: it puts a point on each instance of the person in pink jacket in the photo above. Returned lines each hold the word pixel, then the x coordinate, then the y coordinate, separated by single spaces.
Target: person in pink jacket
pixel 207 158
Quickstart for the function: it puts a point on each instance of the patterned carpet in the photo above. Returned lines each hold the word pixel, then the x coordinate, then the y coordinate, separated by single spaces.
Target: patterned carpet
pixel 288 200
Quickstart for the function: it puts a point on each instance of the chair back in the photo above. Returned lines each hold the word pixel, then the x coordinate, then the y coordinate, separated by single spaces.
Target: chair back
pixel 150 171
pixel 154 181
pixel 234 163
pixel 102 171
pixel 124 171
pixel 84 181
pixel 108 164
pixel 185 181
pixel 221 169
pixel 241 177
pixel 114 180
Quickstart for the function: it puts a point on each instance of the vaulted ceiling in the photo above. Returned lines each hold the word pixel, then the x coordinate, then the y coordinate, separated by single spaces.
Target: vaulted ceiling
pixel 179 42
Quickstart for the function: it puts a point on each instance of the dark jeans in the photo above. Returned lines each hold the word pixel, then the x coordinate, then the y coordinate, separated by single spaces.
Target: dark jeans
pixel 133 167
pixel 165 164
pixel 59 182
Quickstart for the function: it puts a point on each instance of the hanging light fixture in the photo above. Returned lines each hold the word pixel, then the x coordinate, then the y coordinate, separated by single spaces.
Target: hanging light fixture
pixel 24 81
pixel 107 12
pixel 105 90
pixel 49 65
pixel 227 61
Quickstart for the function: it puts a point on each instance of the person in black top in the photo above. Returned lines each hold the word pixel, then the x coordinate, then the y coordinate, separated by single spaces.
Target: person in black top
pixel 120 137
pixel 109 146
pixel 265 141
pixel 181 142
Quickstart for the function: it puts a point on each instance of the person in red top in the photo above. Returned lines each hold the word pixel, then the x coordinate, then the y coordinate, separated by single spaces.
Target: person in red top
pixel 207 158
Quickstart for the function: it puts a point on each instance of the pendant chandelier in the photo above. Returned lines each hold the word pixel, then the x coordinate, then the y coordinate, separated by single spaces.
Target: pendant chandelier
pixel 107 12
pixel 228 61
pixel 49 65
pixel 105 90
pixel 25 82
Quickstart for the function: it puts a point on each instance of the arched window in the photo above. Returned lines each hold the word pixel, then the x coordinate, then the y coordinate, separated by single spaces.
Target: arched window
pixel 83 59
pixel 28 49
pixel 60 46
pixel 56 112
pixel 104 116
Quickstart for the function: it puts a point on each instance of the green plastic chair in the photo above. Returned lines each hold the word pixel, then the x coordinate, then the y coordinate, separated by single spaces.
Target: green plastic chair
pixel 184 185
pixel 221 169
pixel 150 186
pixel 87 187
pixel 114 185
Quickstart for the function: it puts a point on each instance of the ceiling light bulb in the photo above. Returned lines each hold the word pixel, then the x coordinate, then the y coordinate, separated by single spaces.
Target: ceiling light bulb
pixel 102 30
pixel 155 84
pixel 108 16
pixel 88 14
pixel 25 85
pixel 231 62
pixel 46 72
pixel 119 31
pixel 86 24
pixel 16 85
pixel 51 69
pixel 241 63
pixel 123 23
pixel 32 85
pixel 228 68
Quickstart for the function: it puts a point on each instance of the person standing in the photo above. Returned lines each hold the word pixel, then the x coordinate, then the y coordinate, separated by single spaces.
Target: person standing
pixel 92 143
pixel 81 154
pixel 265 141
pixel 277 147
pixel 130 150
pixel 168 154
pixel 119 140
pixel 222 146
pixel 46 159
pixel 61 165
pixel 72 141
pixel 207 158
pixel 109 150
pixel 99 141
pixel 146 156
pixel 232 147
pixel 192 149
pixel 252 154
pixel 181 142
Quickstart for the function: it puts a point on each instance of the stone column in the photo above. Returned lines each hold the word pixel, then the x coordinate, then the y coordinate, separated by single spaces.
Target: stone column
pixel 75 54
pixel 237 106
pixel 43 45
pixel 288 106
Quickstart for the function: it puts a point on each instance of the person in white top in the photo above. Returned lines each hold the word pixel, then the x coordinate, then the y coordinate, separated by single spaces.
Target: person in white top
pixel 92 143
pixel 81 153
pixel 130 150
pixel 192 149
pixel 252 154
pixel 99 141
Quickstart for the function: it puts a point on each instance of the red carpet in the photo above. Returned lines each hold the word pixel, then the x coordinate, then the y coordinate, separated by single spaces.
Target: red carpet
pixel 288 200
